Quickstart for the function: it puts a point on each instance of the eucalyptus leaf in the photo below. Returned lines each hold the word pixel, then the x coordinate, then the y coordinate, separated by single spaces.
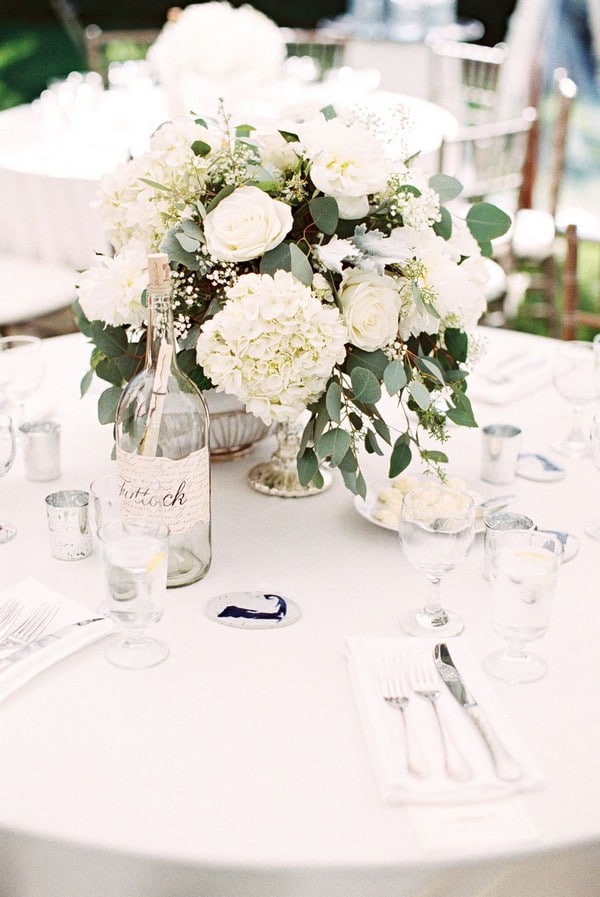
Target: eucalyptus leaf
pixel 307 465
pixel 420 394
pixel 365 386
pixel 110 340
pixel 155 185
pixel 278 259
pixel 301 268
pixel 443 227
pixel 457 343
pixel 382 428
pixel 289 136
pixel 400 458
pixel 487 222
pixel 328 112
pixel 176 253
pixel 431 366
pixel 325 213
pixel 376 362
pixel 226 191
pixel 333 400
pixel 117 370
pixel 334 444
pixel 371 444
pixel 349 461
pixel 200 148
pixel 355 482
pixel 394 377
pixel 446 187
pixel 86 381
pixel 436 457
pixel 462 414
pixel 107 404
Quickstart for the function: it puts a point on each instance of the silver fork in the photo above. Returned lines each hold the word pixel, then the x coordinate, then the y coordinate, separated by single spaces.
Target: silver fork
pixel 30 627
pixel 424 682
pixel 394 693
pixel 9 612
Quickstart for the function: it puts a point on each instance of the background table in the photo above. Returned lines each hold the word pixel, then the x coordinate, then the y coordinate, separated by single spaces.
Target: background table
pixel 51 158
pixel 238 767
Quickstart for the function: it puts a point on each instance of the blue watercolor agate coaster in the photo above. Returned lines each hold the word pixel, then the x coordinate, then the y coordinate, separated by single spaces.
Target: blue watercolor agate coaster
pixel 253 610
pixel 533 466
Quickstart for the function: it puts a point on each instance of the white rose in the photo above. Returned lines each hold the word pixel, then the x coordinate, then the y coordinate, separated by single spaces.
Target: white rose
pixel 370 307
pixel 246 224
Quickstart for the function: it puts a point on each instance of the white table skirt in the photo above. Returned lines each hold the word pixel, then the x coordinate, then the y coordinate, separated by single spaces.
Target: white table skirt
pixel 238 767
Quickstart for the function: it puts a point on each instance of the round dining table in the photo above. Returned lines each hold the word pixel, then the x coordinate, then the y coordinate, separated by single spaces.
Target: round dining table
pixel 238 767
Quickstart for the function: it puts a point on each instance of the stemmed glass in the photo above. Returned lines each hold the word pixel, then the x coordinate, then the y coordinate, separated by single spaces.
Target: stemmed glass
pixel 436 530
pixel 21 370
pixel 7 456
pixel 576 376
pixel 524 568
pixel 135 563
pixel 592 527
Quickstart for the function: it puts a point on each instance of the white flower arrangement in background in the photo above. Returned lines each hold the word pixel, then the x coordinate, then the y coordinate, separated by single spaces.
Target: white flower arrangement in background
pixel 212 47
pixel 313 270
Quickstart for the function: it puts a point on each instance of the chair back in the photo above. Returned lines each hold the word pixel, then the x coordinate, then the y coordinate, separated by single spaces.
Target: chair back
pixel 104 47
pixel 324 50
pixel 464 78
pixel 489 159
pixel 557 113
pixel 582 262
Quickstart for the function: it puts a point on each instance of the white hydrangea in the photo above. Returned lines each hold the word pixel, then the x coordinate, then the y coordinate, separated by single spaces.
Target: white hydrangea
pixel 131 208
pixel 111 291
pixel 273 345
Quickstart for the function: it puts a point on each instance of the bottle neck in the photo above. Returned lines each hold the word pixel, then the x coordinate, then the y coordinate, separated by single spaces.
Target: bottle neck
pixel 160 327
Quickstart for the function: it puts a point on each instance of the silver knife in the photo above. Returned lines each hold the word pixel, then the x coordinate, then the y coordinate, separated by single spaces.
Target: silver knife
pixel 505 766
pixel 43 641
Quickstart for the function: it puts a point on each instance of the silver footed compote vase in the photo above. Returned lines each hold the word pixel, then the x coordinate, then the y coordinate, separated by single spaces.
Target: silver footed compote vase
pixel 279 475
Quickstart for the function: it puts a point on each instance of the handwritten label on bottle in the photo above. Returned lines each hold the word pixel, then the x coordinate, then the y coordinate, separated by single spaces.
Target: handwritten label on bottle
pixel 175 491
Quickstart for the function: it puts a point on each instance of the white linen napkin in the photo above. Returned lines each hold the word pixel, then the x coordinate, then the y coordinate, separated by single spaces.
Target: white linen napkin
pixel 31 594
pixel 384 733
pixel 504 375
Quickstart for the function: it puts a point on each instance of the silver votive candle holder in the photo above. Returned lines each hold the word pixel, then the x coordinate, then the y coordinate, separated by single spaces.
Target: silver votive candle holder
pixel 68 524
pixel 40 440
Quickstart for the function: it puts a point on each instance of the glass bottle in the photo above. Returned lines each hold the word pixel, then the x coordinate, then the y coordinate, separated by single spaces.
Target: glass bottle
pixel 162 441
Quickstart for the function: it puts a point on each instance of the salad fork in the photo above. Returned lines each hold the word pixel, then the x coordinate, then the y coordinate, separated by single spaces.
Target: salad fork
pixel 394 691
pixel 30 627
pixel 9 612
pixel 424 682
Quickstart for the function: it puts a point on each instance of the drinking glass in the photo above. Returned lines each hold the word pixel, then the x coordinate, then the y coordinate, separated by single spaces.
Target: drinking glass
pixel 436 530
pixel 135 564
pixel 21 370
pixel 7 456
pixel 576 375
pixel 592 527
pixel 524 567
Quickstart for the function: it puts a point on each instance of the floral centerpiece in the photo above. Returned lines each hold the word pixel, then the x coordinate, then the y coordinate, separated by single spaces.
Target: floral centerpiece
pixel 313 270
pixel 211 50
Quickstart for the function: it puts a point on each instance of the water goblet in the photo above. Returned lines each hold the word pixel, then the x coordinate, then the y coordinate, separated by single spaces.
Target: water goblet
pixel 592 527
pixel 7 456
pixel 135 564
pixel 576 375
pixel 524 569
pixel 21 370
pixel 436 530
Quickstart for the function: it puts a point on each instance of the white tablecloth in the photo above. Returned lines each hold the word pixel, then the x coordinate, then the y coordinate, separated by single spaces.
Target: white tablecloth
pixel 238 766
